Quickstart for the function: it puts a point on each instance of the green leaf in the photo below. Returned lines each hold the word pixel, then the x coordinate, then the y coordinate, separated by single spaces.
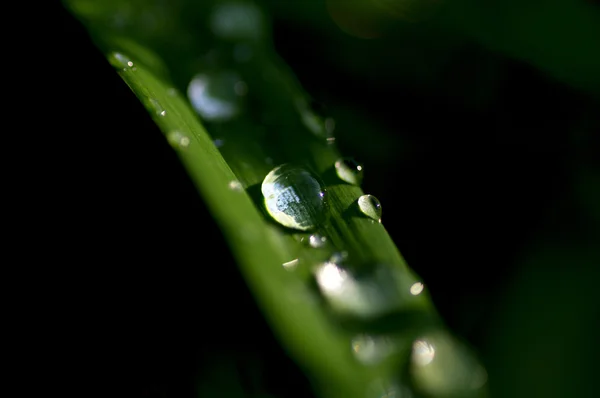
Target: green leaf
pixel 346 306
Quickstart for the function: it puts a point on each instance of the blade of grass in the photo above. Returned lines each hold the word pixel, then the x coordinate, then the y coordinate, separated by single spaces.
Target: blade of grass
pixel 228 178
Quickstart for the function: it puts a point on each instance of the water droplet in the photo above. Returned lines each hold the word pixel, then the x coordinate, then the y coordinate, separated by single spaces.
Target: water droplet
pixel 443 365
pixel 388 389
pixel 130 64
pixel 371 350
pixel 119 60
pixel 312 115
pixel 213 95
pixel 349 170
pixel 219 142
pixel 236 185
pixel 158 109
pixel 295 197
pixel 339 257
pixel 172 92
pixel 291 265
pixel 416 288
pixel 369 205
pixel 317 241
pixel 236 20
pixel 366 296
pixel 178 140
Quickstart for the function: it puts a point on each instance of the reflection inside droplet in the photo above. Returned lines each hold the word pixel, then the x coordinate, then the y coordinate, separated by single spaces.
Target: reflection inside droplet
pixel 317 241
pixel 416 288
pixel 235 185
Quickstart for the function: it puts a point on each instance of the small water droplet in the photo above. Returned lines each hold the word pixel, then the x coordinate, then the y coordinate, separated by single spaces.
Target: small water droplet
pixel 295 197
pixel 236 185
pixel 339 257
pixel 172 92
pixel 388 389
pixel 213 95
pixel 416 288
pixel 178 140
pixel 119 60
pixel 317 241
pixel 312 115
pixel 129 63
pixel 235 20
pixel 369 205
pixel 291 265
pixel 219 142
pixel 440 363
pixel 366 296
pixel 371 350
pixel 349 170
pixel 157 107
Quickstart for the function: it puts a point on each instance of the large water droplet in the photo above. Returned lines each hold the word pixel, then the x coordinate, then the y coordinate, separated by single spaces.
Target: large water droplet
pixel 371 350
pixel 237 20
pixel 442 366
pixel 214 95
pixel 367 295
pixel 369 205
pixel 295 197
pixel 349 170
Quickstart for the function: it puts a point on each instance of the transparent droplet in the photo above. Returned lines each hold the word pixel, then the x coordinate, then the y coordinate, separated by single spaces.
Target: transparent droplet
pixel 291 265
pixel 369 205
pixel 172 92
pixel 213 95
pixel 349 170
pixel 339 257
pixel 236 185
pixel 237 20
pixel 295 197
pixel 219 142
pixel 367 295
pixel 317 241
pixel 371 350
pixel 119 60
pixel 441 365
pixel 158 109
pixel 416 288
pixel 312 115
pixel 178 140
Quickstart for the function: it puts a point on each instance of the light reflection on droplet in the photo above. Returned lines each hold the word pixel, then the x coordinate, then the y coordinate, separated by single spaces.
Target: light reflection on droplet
pixel 387 389
pixel 157 107
pixel 422 353
pixel 331 278
pixel 416 288
pixel 129 63
pixel 291 265
pixel 163 113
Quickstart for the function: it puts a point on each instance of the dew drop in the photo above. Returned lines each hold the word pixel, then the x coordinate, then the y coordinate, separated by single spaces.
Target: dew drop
pixel 235 185
pixel 349 170
pixel 317 241
pixel 178 140
pixel 119 60
pixel 295 197
pixel 158 109
pixel 371 350
pixel 416 288
pixel 339 257
pixel 237 20
pixel 364 296
pixel 441 365
pixel 369 205
pixel 214 96
pixel 172 92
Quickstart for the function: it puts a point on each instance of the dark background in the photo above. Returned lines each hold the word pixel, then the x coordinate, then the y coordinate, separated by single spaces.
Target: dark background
pixel 491 195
